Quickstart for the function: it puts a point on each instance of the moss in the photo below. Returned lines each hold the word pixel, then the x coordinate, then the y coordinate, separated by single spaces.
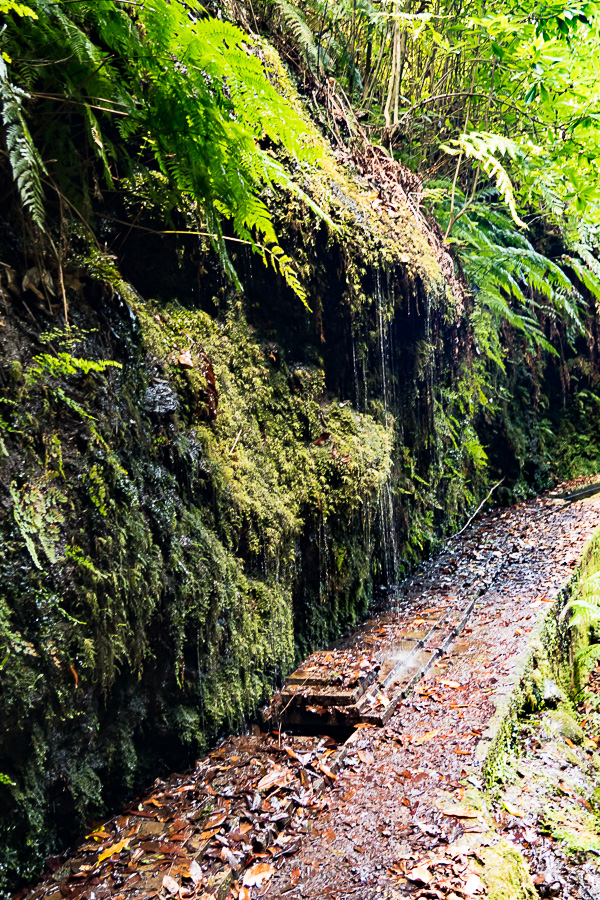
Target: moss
pixel 505 873
pixel 561 722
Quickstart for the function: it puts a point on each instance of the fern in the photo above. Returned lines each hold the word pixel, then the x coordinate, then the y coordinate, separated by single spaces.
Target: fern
pixel 189 96
pixel 512 281
pixel 483 147
pixel 297 26
pixel 587 276
pixel 25 161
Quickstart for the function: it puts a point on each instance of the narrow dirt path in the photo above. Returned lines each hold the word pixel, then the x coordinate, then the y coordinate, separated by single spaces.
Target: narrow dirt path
pixel 390 803
pixel 267 815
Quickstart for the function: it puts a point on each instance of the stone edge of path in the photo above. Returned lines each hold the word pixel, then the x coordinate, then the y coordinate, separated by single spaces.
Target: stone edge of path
pixel 546 632
pixel 503 868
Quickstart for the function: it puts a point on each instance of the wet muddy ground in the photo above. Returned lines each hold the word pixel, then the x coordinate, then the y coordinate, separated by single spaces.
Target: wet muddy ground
pixel 398 810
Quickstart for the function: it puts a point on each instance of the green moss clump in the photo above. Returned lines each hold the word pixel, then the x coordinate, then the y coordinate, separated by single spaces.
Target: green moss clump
pixel 505 873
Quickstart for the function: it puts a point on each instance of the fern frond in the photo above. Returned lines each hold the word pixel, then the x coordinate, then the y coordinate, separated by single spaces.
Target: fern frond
pixel 24 158
pixel 483 147
pixel 298 27
pixel 587 277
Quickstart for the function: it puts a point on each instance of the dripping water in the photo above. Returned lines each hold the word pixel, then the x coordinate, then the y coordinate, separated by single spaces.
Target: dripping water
pixel 386 503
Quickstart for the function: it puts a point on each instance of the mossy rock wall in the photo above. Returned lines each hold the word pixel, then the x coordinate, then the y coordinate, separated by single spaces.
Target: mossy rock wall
pixel 199 486
pixel 197 491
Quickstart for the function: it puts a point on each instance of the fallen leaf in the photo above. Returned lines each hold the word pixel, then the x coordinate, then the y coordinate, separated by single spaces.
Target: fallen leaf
pixel 114 848
pixel 327 771
pixel 185 359
pixel 513 810
pixel 473 885
pixel 195 872
pixel 209 833
pixel 244 894
pixel 366 757
pixel 295 876
pixel 99 835
pixel 426 737
pixel 278 777
pixel 170 885
pixel 258 875
pixel 214 821
pixel 461 812
pixel 450 684
pixel 419 873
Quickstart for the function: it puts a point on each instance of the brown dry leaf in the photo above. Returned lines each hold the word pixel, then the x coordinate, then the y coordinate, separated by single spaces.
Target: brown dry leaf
pixel 114 848
pixel 258 875
pixel 461 812
pixel 366 757
pixel 419 873
pixel 244 894
pixel 426 737
pixel 513 810
pixel 383 700
pixel 209 833
pixel 278 777
pixel 170 885
pixel 327 771
pixel 195 872
pixel 450 684
pixel 295 876
pixel 99 835
pixel 215 821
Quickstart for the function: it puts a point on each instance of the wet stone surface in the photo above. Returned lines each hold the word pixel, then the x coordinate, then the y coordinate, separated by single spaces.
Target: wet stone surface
pixel 398 810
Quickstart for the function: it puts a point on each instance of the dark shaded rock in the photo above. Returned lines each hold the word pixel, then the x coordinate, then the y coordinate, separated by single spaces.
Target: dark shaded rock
pixel 161 400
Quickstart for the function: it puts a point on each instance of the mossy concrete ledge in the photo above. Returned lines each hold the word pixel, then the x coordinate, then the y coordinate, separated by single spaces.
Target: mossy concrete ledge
pixel 549 656
pixel 549 660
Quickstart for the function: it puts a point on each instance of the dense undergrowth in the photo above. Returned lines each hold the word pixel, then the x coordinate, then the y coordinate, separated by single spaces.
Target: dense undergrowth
pixel 209 465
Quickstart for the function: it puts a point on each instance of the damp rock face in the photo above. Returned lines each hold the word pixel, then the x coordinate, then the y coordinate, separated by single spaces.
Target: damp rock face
pixel 161 400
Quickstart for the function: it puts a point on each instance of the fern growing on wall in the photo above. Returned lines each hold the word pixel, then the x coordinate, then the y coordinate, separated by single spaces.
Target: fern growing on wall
pixel 511 280
pixel 152 87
